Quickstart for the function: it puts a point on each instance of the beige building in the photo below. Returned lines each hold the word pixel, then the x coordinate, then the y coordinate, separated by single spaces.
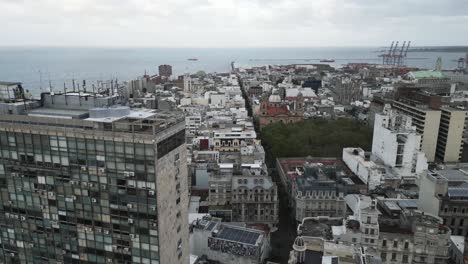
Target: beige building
pixel 450 140
pixel 427 123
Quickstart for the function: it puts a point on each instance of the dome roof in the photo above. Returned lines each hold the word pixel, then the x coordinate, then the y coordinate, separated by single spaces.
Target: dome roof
pixel 299 244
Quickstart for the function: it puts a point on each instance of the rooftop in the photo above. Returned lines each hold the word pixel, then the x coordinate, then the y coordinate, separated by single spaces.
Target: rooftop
pixel 238 234
pixel 426 74
pixel 9 83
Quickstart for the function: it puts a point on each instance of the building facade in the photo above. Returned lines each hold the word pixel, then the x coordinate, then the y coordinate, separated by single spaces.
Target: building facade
pixel 450 140
pixel 92 191
pixel 165 70
pixel 274 110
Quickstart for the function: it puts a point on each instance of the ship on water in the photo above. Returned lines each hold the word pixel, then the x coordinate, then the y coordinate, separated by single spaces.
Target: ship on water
pixel 192 59
pixel 327 60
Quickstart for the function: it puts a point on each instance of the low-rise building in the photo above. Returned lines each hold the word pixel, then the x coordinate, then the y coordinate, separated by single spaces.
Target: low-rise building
pixel 445 193
pixel 314 187
pixel 226 243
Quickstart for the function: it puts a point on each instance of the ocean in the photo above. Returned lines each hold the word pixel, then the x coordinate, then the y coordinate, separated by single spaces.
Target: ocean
pixel 37 67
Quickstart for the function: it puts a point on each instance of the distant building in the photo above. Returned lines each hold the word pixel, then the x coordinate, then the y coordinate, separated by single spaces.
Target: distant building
pixel 165 70
pixel 450 140
pixel 441 129
pixel 407 235
pixel 360 163
pixel 228 244
pixel 247 195
pixel 316 187
pixel 232 139
pixel 347 90
pixel 274 110
pixel 396 144
pixel 445 193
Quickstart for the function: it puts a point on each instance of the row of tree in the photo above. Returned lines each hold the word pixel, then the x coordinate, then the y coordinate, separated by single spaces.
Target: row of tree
pixel 314 137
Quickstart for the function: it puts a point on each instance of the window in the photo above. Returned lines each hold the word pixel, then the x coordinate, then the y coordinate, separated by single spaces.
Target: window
pixel 354 240
pixel 395 244
pixel 406 245
pixel 384 243
pixel 405 259
pixel 452 222
pixel 368 219
pixel 393 256
pixel 383 256
pixel 461 222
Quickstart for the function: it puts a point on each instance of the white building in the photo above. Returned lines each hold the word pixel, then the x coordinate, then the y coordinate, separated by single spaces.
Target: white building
pixel 397 145
pixel 228 244
pixel 359 162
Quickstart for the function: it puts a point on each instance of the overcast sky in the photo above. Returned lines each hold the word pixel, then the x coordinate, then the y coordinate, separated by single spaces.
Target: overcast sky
pixel 232 23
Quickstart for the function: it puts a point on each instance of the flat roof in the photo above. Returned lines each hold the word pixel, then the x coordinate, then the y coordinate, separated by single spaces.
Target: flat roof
pixel 238 235
pixel 57 113
pixel 9 83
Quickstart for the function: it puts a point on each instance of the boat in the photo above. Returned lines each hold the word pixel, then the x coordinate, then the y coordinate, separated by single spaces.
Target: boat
pixel 327 60
pixel 192 59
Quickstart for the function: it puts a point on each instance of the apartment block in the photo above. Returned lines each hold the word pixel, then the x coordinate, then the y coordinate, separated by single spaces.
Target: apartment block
pixel 426 121
pixel 450 141
pixel 105 185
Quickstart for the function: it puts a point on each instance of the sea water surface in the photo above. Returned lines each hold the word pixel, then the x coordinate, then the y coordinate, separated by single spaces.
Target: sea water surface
pixel 39 67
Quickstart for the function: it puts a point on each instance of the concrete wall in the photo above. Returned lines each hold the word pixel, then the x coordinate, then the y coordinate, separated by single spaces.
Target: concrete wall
pixel 173 216
pixel 429 188
pixel 454 136
pixel 430 134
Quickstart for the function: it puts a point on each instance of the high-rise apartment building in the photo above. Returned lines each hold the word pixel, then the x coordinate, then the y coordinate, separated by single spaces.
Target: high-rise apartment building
pixel 106 185
pixel 450 141
pixel 165 70
pixel 441 129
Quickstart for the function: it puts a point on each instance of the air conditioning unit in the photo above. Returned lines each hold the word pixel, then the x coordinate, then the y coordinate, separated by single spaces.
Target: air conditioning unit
pixel 151 192
pixel 91 184
pixel 102 170
pixel 126 249
pixel 99 230
pixel 74 197
pixel 93 200
pixel 23 218
pixel 133 236
pixel 51 194
pixel 130 221
pixel 130 205
pixel 153 208
pixel 84 168
pixel 72 182
pixel 85 184
pixel 106 231
pixel 103 187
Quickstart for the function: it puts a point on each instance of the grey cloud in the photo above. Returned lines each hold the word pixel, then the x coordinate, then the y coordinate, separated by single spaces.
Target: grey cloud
pixel 232 22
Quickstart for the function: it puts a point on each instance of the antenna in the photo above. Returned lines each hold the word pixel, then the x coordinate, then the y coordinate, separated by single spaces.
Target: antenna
pixel 73 80
pixel 40 80
pixel 65 91
pixel 50 84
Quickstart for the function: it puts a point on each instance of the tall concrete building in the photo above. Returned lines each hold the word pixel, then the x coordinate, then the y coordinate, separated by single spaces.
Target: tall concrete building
pixel 450 140
pixel 165 70
pixel 106 185
pixel 426 121
pixel 441 129
pixel 396 143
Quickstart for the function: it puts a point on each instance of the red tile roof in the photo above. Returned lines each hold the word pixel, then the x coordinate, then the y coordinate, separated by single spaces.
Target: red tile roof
pixel 277 110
